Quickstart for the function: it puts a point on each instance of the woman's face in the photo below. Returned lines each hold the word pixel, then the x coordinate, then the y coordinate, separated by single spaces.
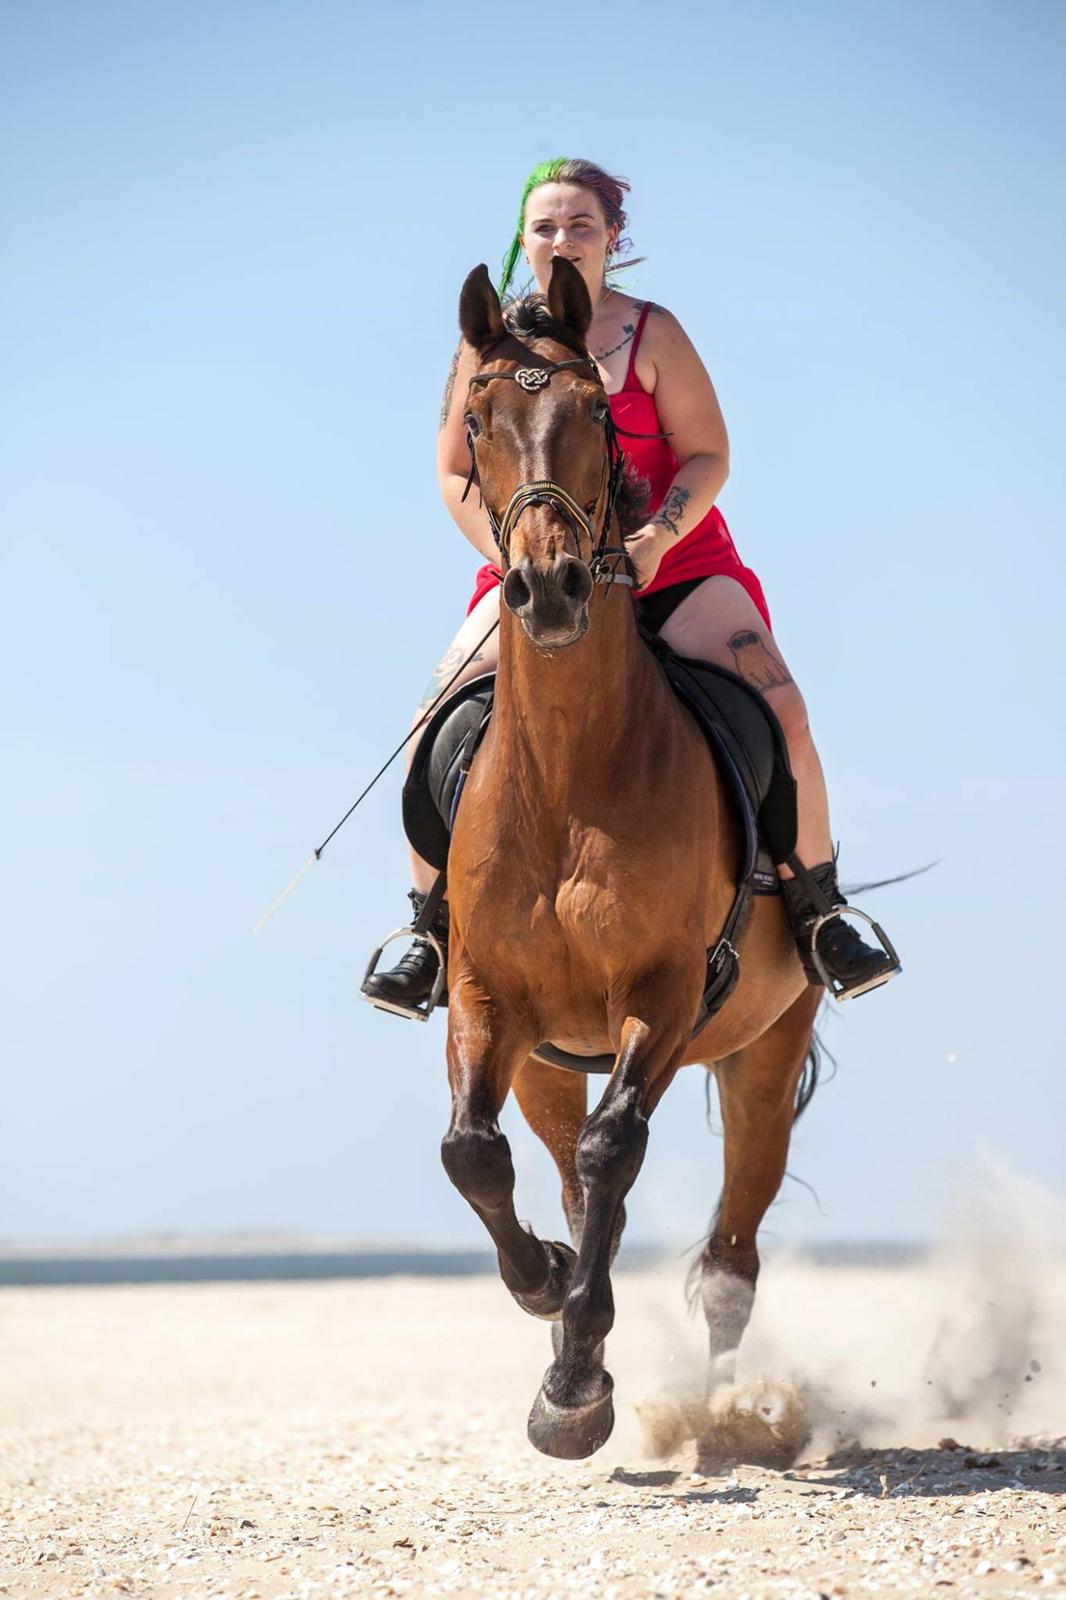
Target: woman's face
pixel 563 219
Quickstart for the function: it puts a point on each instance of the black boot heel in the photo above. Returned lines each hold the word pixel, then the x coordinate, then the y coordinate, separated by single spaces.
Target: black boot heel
pixel 834 954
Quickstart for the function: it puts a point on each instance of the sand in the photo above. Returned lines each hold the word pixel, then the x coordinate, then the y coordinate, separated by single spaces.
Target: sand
pixel 368 1438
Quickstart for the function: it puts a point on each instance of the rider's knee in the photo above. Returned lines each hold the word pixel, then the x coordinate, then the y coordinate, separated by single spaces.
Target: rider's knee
pixel 790 709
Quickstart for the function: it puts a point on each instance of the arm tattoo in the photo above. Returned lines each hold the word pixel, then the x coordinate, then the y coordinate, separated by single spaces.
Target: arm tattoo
pixel 756 662
pixel 672 509
pixel 446 404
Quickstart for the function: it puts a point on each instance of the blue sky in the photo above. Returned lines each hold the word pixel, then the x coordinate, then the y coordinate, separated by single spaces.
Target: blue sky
pixel 234 240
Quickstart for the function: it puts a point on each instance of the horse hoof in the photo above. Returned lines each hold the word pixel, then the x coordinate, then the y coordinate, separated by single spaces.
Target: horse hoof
pixel 570 1433
pixel 547 1303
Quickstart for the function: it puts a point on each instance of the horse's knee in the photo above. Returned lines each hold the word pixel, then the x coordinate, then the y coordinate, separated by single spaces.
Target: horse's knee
pixel 477 1159
pixel 612 1143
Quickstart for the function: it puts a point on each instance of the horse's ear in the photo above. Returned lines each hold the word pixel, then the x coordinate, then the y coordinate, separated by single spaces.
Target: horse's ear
pixel 480 317
pixel 568 298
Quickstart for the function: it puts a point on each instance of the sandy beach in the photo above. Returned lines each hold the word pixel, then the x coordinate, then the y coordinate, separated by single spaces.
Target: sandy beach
pixel 259 1441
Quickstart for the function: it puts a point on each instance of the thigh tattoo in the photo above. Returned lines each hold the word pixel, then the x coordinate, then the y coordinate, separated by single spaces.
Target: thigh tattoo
pixel 756 663
pixel 444 671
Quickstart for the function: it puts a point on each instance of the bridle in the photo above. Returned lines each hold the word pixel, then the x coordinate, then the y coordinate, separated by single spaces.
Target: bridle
pixel 609 563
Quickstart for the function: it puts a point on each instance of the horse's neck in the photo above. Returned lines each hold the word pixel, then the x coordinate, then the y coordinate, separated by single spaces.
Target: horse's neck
pixel 580 704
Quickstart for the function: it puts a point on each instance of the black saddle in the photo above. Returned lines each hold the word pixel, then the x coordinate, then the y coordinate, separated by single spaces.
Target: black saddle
pixel 749 749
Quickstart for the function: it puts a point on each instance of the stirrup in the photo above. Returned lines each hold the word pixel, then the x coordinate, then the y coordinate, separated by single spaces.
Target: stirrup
pixel 839 991
pixel 418 1012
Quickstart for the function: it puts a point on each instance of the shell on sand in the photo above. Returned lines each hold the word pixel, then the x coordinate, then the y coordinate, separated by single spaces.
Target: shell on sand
pixel 761 1423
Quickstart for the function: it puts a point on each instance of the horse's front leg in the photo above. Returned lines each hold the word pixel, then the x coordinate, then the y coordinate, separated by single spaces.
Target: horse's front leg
pixel 485 1050
pixel 573 1414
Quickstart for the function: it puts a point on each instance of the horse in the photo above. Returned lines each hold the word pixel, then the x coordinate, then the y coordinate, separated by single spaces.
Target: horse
pixel 592 862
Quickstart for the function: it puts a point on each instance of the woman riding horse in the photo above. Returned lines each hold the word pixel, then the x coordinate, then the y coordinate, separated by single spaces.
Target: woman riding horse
pixel 693 588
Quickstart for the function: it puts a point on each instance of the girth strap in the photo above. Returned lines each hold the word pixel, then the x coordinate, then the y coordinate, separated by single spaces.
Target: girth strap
pixel 723 973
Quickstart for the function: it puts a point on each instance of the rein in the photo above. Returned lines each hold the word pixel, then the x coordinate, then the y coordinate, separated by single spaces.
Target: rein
pixel 545 491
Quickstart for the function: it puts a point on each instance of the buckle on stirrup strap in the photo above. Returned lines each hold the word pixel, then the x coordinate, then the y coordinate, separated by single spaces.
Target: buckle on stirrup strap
pixel 423 1011
pixel 839 991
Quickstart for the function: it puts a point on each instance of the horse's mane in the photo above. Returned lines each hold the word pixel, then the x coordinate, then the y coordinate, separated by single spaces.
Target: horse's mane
pixel 529 318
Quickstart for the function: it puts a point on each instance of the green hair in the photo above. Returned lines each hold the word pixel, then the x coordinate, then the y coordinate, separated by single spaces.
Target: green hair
pixel 609 192
pixel 546 172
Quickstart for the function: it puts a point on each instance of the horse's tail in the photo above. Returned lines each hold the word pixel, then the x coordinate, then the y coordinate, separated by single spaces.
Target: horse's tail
pixel 884 883
pixel 810 1077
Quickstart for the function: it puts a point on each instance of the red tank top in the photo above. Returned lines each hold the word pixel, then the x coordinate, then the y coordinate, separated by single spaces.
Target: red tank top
pixel 708 548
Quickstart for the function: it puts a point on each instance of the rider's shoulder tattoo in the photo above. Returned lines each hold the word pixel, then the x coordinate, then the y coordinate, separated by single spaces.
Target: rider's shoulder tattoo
pixel 628 330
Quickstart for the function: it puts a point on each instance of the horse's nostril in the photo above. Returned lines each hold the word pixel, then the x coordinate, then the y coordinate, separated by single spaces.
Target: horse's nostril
pixel 516 591
pixel 575 580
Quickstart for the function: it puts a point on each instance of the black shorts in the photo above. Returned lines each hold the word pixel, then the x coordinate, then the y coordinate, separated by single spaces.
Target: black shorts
pixel 658 608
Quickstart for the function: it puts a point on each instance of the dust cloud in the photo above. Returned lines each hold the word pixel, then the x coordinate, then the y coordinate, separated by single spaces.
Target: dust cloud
pixel 964 1343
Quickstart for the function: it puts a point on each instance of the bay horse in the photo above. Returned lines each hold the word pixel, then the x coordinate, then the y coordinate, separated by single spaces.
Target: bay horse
pixel 592 864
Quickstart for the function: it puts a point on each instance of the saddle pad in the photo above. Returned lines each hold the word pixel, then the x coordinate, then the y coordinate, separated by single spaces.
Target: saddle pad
pixel 741 729
pixel 431 792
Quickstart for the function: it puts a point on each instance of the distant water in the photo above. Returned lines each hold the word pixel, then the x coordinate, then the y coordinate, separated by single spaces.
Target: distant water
pixel 22 1271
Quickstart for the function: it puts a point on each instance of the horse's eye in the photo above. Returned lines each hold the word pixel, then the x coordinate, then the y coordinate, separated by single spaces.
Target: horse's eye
pixel 600 411
pixel 473 426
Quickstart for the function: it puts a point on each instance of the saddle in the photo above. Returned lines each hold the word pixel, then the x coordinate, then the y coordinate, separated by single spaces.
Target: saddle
pixel 749 749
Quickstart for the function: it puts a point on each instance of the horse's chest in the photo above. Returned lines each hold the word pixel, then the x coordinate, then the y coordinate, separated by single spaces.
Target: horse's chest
pixel 570 920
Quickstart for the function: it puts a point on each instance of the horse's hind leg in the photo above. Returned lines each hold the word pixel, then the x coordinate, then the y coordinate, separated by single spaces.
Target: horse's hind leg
pixel 757 1092
pixel 573 1414
pixel 484 1055
pixel 555 1103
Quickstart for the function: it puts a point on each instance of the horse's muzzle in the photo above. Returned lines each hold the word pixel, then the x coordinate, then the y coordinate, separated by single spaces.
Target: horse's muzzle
pixel 550 602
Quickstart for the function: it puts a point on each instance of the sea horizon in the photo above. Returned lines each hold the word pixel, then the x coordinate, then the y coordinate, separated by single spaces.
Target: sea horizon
pixel 281 1256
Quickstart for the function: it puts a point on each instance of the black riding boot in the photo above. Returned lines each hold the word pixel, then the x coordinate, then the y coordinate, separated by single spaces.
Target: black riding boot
pixel 838 956
pixel 410 982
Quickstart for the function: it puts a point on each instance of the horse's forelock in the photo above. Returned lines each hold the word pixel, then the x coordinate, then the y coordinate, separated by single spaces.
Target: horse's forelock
pixel 530 318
